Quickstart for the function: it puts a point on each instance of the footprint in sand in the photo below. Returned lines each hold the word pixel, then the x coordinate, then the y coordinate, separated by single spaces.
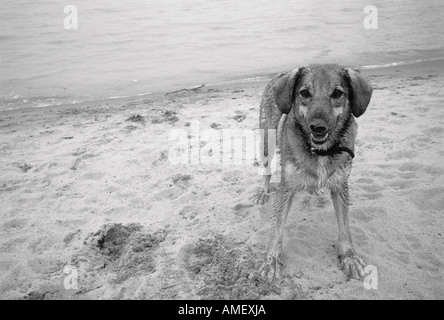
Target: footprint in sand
pixel 406 183
pixel 78 161
pixel 365 181
pixel 409 170
pixel 433 170
pixel 407 175
pixel 232 175
pixel 428 199
pixel 192 196
pixel 239 117
pixel 359 237
pixel 93 176
pixel 381 175
pixel 14 224
pixel 189 212
pixel 7 264
pixel 371 196
pixel 401 256
pixel 45 265
pixel 382 139
pixel 23 167
pixel 182 180
pixel 422 111
pixel 13 244
pixel 241 209
pixel 420 141
pixel 160 158
pixel 434 131
pixel 169 193
pixel 71 223
pixel 302 231
pixel 139 203
pixel 372 190
pixel 397 115
pixel 43 243
pixel 48 166
pixel 413 242
pixel 369 213
pixel 71 236
pixel 410 166
pixel 14 278
pixel 113 189
pixel 431 261
pixel 306 203
pixel 402 154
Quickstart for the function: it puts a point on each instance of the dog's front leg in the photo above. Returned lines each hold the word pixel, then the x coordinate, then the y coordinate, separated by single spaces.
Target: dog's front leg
pixel 350 263
pixel 267 148
pixel 274 265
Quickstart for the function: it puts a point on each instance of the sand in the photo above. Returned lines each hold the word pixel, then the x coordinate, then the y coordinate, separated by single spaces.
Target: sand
pixel 88 190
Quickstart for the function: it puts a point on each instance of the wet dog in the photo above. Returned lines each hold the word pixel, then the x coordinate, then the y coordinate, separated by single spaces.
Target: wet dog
pixel 314 110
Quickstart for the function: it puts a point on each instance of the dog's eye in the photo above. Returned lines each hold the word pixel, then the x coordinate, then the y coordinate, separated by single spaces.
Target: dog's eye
pixel 337 94
pixel 305 94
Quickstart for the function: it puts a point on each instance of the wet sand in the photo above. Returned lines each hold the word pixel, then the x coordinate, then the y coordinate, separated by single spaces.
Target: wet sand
pixel 89 188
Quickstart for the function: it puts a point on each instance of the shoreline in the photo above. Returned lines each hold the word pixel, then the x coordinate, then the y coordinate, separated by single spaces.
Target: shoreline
pixel 77 177
pixel 416 65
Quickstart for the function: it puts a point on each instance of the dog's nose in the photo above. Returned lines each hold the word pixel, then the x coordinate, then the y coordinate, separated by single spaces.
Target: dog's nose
pixel 318 127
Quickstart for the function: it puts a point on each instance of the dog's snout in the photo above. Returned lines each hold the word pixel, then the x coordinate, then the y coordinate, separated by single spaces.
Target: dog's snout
pixel 318 127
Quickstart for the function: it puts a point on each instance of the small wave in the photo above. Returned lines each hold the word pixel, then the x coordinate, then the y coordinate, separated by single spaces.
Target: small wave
pixel 249 79
pixel 400 63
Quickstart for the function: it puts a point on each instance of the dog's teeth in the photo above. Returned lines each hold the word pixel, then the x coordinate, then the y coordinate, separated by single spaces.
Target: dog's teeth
pixel 324 138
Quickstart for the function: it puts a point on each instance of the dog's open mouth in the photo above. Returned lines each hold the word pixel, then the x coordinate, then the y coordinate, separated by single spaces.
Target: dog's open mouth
pixel 319 139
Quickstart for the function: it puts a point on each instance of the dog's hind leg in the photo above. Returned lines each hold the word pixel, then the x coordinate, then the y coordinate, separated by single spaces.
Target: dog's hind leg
pixel 272 269
pixel 350 263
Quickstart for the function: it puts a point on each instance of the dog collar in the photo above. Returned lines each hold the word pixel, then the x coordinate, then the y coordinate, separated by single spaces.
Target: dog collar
pixel 332 150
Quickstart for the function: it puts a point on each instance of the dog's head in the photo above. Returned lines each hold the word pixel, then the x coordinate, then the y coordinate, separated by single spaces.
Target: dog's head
pixel 323 98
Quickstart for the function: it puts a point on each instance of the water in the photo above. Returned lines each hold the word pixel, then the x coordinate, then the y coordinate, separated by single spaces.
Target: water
pixel 126 48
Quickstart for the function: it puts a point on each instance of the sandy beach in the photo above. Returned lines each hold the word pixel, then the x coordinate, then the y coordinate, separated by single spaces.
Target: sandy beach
pixel 88 190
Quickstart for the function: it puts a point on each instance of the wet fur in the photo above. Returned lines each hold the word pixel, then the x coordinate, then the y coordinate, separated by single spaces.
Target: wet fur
pixel 301 169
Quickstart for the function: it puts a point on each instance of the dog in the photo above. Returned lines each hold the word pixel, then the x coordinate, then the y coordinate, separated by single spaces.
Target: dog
pixel 313 109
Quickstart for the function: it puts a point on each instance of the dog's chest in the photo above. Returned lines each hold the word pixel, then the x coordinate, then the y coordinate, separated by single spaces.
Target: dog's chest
pixel 314 175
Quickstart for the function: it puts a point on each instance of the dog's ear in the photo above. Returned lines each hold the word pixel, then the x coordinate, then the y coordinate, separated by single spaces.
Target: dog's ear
pixel 283 89
pixel 361 92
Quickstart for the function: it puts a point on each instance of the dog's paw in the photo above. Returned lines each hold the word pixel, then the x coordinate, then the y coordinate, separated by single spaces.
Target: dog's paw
pixel 263 194
pixel 272 269
pixel 261 197
pixel 353 267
